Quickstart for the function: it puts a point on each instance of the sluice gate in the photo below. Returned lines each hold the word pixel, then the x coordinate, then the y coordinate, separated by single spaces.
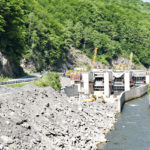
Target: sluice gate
pixel 107 82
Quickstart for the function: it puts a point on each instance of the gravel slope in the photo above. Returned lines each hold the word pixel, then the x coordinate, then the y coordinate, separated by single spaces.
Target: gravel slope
pixel 33 118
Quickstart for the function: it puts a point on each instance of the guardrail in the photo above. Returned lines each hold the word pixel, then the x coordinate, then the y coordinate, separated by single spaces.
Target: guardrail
pixel 19 81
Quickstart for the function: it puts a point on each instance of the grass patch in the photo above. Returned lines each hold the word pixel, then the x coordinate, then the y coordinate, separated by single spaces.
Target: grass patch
pixel 36 73
pixel 17 84
pixel 50 79
pixel 3 79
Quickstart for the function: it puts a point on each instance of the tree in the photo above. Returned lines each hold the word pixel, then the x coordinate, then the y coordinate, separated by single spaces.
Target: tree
pixel 12 27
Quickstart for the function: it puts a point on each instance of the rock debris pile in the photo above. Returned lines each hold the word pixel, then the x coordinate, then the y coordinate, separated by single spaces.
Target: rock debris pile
pixel 33 118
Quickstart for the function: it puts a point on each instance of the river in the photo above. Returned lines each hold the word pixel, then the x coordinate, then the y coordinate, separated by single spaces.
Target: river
pixel 132 130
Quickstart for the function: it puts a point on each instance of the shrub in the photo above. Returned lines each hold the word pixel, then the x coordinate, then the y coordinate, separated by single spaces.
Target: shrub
pixel 149 89
pixel 50 79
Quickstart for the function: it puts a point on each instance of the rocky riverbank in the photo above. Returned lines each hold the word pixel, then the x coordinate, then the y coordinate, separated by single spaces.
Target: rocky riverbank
pixel 33 118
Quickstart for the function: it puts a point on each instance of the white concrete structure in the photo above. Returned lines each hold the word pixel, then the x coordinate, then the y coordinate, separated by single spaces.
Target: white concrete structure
pixel 79 86
pixel 106 84
pixel 127 81
pixel 72 82
pixel 85 79
pixel 131 94
pixel 147 79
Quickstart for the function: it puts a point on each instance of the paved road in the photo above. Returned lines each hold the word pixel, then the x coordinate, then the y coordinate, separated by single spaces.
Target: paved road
pixel 28 78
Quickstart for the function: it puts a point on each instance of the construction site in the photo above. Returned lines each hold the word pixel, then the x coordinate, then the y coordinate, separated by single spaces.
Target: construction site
pixel 104 83
pixel 100 84
pixel 77 117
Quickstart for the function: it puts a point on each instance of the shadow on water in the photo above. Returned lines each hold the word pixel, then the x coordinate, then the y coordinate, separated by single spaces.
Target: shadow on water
pixel 132 131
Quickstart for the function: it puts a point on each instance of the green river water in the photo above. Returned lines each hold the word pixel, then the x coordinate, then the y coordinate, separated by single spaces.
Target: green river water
pixel 132 130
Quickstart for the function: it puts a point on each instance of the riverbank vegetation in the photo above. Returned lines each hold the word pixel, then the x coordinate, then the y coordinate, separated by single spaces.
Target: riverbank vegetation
pixel 44 30
pixel 3 79
pixel 17 84
pixel 50 79
pixel 149 89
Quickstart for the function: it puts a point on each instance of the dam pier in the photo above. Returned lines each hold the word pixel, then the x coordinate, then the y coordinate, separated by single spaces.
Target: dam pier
pixel 120 85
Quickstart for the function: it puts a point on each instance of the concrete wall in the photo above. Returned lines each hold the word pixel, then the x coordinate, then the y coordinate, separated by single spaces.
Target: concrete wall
pixel 127 81
pixel 71 91
pixel 85 79
pixel 147 79
pixel 132 94
pixel 106 84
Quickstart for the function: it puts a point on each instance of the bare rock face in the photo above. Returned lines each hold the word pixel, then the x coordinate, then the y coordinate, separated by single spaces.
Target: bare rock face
pixel 125 61
pixel 8 67
pixel 120 60
pixel 28 66
pixel 77 58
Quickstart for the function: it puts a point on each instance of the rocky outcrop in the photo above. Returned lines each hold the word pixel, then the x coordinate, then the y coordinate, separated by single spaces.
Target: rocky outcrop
pixel 77 58
pixel 125 61
pixel 8 67
pixel 28 66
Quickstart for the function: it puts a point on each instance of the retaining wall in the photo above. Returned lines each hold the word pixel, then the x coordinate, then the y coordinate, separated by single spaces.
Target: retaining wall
pixel 132 94
pixel 71 91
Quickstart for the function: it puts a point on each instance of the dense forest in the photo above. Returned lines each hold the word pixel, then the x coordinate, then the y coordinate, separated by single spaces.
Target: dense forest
pixel 44 30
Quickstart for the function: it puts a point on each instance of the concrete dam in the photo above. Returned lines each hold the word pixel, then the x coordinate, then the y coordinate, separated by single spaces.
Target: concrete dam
pixel 109 85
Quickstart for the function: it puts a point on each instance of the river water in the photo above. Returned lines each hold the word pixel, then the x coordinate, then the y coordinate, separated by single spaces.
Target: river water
pixel 132 130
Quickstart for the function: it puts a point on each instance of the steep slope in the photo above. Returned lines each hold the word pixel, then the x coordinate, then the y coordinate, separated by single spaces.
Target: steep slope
pixel 115 27
pixel 43 30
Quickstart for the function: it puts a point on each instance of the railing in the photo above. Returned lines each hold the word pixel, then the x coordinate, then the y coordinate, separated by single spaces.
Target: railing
pixel 19 81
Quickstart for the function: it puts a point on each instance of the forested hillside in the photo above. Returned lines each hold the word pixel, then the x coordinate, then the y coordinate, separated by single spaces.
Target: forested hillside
pixel 43 30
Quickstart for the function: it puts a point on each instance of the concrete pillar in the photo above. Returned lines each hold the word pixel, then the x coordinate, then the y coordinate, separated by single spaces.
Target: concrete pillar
pixel 72 82
pixel 149 100
pixel 147 79
pixel 79 87
pixel 106 84
pixel 85 79
pixel 127 81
